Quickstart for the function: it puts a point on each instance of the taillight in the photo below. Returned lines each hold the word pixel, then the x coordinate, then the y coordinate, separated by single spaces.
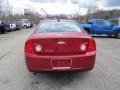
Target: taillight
pixel 91 45
pixel 29 47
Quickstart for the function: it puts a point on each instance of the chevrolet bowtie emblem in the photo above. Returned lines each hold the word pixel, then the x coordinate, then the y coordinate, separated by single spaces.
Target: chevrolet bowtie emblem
pixel 61 42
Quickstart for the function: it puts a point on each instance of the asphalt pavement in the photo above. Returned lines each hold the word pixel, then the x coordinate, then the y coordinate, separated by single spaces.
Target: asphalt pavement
pixel 15 76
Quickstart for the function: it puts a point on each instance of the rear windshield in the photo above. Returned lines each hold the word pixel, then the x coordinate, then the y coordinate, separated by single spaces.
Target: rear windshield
pixel 58 27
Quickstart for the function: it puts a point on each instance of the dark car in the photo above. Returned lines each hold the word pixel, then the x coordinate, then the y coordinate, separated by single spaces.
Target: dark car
pixel 18 25
pixel 60 45
pixel 101 26
pixel 12 25
pixel 31 24
pixel 4 27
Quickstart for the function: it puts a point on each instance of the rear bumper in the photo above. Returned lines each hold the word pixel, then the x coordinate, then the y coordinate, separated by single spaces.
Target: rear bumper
pixel 43 63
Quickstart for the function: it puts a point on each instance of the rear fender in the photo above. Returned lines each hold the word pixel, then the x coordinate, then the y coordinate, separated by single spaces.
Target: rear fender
pixel 116 29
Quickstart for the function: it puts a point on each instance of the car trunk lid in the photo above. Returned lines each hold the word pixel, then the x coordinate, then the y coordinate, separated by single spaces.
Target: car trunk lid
pixel 61 45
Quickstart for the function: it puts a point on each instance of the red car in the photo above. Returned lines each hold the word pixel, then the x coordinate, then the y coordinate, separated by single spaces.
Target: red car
pixel 60 45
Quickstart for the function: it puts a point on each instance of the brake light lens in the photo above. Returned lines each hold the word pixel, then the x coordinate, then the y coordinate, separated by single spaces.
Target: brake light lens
pixel 91 45
pixel 29 46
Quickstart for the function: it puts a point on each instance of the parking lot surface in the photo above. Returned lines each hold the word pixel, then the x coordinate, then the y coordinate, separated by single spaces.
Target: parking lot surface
pixel 14 75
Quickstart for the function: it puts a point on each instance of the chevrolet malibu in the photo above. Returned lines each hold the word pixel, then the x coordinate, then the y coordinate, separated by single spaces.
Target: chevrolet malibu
pixel 60 45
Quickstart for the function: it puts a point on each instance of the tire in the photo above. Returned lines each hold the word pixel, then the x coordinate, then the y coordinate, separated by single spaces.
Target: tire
pixel 25 26
pixel 18 28
pixel 118 35
pixel 3 31
pixel 10 30
pixel 110 36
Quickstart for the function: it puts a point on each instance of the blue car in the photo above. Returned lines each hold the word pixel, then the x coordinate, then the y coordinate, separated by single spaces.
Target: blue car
pixel 101 26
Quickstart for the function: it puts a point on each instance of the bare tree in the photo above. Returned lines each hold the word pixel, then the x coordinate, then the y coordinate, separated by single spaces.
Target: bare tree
pixel 0 7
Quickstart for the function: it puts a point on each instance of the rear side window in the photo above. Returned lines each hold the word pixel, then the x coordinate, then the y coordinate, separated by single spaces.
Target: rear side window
pixel 100 22
pixel 58 27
